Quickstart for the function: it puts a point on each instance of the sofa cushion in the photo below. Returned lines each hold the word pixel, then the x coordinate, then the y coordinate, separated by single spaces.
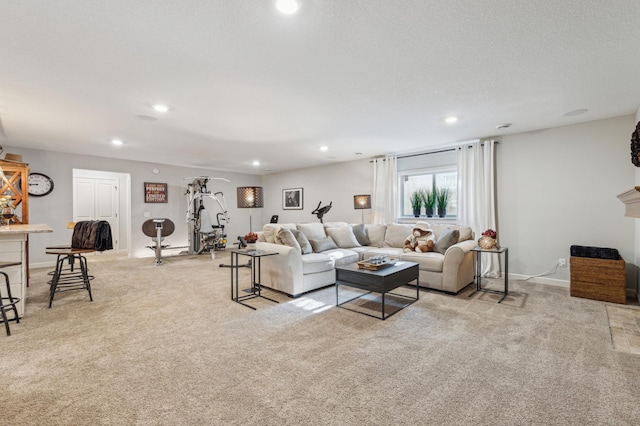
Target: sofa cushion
pixel 313 231
pixel 361 234
pixel 448 238
pixel 376 234
pixel 396 234
pixel 391 252
pixel 314 263
pixel 465 232
pixel 305 245
pixel 285 237
pixel 323 244
pixel 270 229
pixel 342 256
pixel 430 261
pixel 343 236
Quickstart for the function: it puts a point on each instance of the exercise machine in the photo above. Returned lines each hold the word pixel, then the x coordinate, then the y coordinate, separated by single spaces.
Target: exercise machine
pixel 157 229
pixel 204 235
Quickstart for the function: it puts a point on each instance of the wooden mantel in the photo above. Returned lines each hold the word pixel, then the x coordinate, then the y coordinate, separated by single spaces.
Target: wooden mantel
pixel 631 200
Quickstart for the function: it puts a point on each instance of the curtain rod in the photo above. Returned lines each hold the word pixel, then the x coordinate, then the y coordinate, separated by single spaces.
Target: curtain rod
pixel 434 152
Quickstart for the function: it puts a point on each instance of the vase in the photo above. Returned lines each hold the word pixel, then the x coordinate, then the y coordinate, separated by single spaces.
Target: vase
pixel 416 212
pixel 251 246
pixel 487 243
pixel 429 211
pixel 442 211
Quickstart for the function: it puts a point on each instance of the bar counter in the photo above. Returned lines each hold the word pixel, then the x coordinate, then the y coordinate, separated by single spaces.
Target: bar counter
pixel 14 248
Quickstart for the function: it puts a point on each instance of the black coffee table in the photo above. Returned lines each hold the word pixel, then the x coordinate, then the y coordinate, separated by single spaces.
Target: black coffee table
pixel 379 281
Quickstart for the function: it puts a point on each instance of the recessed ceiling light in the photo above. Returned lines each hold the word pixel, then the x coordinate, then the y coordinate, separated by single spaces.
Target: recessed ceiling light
pixel 117 141
pixel 256 163
pixel 450 120
pixel 324 148
pixel 358 153
pixel 161 108
pixel 575 112
pixel 503 126
pixel 287 7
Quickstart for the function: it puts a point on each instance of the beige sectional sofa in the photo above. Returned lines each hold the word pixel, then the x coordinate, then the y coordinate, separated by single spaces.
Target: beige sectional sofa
pixel 335 243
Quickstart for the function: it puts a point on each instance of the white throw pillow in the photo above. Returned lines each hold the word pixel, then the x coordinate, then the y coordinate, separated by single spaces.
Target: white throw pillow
pixel 270 229
pixel 313 231
pixel 376 234
pixel 285 237
pixel 343 236
pixel 396 234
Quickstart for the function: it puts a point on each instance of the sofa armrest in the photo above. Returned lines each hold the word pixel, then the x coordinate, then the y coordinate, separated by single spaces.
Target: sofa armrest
pixel 457 268
pixel 282 271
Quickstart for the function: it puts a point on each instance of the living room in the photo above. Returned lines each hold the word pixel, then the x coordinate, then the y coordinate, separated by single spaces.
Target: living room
pixel 166 345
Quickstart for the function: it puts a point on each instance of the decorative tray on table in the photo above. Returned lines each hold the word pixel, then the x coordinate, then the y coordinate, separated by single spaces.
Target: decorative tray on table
pixel 375 263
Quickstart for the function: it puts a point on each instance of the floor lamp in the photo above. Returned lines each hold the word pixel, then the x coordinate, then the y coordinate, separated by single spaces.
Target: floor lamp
pixel 361 202
pixel 250 197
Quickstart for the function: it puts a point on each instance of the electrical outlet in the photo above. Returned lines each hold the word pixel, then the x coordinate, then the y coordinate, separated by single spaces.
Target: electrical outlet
pixel 562 262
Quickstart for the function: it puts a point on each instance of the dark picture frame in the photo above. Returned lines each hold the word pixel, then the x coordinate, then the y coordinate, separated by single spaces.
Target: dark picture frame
pixel 155 192
pixel 292 199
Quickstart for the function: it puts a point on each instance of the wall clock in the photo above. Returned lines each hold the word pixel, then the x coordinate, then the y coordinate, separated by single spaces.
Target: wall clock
pixel 40 184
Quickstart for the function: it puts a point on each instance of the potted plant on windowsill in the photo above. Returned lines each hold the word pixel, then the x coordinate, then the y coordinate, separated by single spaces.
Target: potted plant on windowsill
pixel 429 201
pixel 442 199
pixel 416 203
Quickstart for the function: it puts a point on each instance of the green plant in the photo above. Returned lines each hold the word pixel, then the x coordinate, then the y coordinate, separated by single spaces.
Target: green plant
pixel 442 197
pixel 429 198
pixel 416 200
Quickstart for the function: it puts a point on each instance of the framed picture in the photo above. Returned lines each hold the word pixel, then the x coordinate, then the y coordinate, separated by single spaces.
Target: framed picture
pixel 292 199
pixel 155 192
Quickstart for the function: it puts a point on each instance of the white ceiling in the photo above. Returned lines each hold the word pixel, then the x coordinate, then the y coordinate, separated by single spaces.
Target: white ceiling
pixel 245 82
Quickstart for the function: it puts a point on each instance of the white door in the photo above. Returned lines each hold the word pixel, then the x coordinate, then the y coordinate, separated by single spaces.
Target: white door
pixel 97 199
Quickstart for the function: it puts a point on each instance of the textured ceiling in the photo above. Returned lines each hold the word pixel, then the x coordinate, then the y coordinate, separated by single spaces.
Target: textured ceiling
pixel 245 82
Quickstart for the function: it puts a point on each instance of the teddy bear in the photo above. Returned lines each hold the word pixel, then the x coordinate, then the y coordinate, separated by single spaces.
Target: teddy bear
pixel 421 239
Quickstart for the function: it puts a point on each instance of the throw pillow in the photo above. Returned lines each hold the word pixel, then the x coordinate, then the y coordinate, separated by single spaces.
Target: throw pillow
pixel 376 234
pixel 285 237
pixel 360 234
pixel 323 245
pixel 343 237
pixel 313 231
pixel 396 234
pixel 305 245
pixel 448 238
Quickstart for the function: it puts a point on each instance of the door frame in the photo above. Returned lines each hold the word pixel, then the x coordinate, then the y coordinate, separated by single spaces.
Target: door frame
pixel 124 204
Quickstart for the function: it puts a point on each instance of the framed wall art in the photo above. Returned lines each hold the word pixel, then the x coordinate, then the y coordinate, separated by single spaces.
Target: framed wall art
pixel 292 199
pixel 155 192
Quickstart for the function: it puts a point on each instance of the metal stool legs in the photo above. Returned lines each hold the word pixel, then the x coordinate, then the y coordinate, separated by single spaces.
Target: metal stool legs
pixel 10 303
pixel 69 278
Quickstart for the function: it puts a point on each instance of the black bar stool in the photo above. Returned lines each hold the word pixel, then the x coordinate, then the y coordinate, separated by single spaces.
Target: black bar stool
pixel 67 276
pixel 88 236
pixel 9 301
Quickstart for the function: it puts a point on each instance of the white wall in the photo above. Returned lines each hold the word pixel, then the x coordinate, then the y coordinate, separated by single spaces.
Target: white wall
pixel 336 183
pixel 56 209
pixel 558 187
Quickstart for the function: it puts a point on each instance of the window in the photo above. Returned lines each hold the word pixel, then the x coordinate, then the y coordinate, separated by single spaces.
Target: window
pixel 429 179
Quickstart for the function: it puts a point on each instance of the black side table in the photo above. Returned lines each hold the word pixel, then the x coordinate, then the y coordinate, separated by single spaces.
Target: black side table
pixel 256 287
pixel 478 251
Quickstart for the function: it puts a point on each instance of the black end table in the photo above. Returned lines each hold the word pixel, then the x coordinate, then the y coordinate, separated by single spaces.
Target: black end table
pixel 478 251
pixel 256 287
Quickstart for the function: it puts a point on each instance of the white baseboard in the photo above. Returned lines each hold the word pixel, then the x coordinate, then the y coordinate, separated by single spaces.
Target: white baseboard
pixel 541 280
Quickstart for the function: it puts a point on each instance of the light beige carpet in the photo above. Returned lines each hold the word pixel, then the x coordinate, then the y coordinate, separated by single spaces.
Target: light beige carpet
pixel 165 345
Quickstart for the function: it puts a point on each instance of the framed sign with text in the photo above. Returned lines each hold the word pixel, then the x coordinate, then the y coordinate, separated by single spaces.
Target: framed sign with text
pixel 155 192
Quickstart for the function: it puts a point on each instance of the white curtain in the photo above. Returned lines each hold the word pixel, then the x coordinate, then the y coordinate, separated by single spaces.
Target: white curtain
pixel 385 189
pixel 476 195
